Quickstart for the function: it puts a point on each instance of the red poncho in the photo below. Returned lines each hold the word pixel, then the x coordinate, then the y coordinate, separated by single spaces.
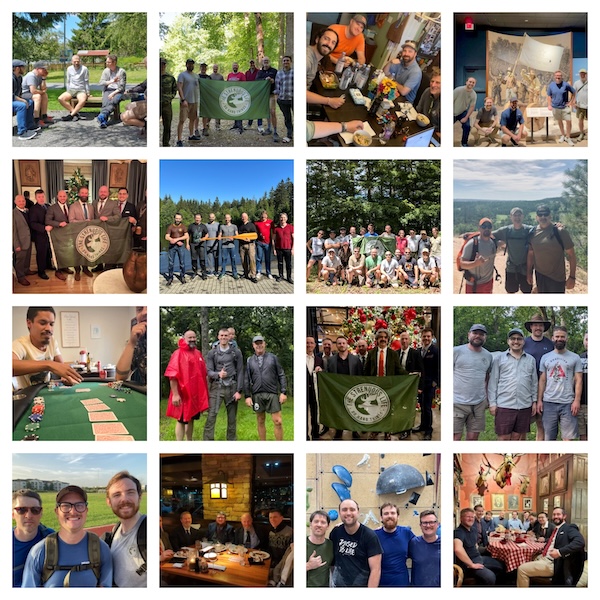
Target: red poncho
pixel 188 368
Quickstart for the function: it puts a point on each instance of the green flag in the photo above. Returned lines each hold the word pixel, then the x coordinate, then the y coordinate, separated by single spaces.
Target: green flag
pixel 375 241
pixel 358 403
pixel 86 243
pixel 234 100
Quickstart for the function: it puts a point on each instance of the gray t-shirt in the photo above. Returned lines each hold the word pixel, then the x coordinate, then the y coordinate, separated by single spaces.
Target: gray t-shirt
pixel 487 116
pixel 463 99
pixel 470 371
pixel 127 558
pixel 30 79
pixel 312 65
pixel 228 231
pixel 191 86
pixel 560 369
pixel 486 248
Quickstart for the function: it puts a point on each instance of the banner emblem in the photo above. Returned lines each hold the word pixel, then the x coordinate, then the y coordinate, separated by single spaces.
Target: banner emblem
pixel 235 100
pixel 92 242
pixel 367 403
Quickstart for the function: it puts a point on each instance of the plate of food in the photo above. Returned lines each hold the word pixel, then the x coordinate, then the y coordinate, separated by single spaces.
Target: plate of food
pixel 329 80
pixel 259 554
pixel 423 120
pixel 362 138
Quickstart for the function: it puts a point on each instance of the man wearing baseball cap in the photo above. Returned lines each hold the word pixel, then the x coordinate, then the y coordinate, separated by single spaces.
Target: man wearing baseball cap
pixel 70 558
pixel 477 260
pixel 265 386
pixel 34 89
pixel 581 101
pixel 472 366
pixel 512 389
pixel 512 124
pixel 406 71
pixel 350 40
pixel 23 108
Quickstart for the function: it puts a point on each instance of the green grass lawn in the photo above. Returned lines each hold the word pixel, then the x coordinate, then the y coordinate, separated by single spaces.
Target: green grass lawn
pixel 133 76
pixel 98 511
pixel 490 435
pixel 246 423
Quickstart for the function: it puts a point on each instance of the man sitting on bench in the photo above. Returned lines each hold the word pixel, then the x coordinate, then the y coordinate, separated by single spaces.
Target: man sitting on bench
pixel 113 81
pixel 78 86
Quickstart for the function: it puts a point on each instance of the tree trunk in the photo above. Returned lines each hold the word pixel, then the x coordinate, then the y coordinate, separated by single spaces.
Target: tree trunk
pixel 260 38
pixel 204 328
pixel 289 34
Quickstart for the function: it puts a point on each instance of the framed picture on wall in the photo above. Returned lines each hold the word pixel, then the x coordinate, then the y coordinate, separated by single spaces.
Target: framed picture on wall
pixel 513 502
pixel 545 484
pixel 558 501
pixel 498 502
pixel 545 504
pixel 29 170
pixel 476 499
pixel 527 503
pixel 118 175
pixel 559 479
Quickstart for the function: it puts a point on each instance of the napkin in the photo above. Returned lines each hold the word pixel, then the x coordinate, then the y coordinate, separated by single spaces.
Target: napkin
pixel 347 136
pixel 216 567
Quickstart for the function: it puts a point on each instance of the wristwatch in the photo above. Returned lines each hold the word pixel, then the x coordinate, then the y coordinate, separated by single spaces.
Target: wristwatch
pixel 344 127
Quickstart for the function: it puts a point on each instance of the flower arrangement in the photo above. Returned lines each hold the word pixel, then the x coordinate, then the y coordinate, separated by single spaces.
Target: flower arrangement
pixel 387 88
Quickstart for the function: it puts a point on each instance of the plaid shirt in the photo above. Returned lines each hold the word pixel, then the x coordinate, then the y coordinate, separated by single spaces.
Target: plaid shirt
pixel 284 84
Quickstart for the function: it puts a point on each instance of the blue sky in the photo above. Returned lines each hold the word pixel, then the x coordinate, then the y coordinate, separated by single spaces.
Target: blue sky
pixel 506 179
pixel 78 469
pixel 227 179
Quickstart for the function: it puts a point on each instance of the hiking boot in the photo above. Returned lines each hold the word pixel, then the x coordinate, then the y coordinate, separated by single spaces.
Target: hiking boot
pixel 276 137
pixel 179 144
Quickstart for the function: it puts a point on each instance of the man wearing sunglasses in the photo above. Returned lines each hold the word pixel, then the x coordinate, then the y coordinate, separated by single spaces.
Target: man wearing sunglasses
pixel 477 260
pixel 78 557
pixel 27 514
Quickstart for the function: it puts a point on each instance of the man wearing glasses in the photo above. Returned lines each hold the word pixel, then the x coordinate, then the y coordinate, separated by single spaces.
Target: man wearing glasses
pixel 425 552
pixel 27 514
pixel 477 260
pixel 76 558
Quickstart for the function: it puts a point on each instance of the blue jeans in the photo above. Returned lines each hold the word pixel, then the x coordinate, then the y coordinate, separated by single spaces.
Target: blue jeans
pixel 466 127
pixel 24 114
pixel 228 252
pixel 108 105
pixel 263 253
pixel 179 251
pixel 555 413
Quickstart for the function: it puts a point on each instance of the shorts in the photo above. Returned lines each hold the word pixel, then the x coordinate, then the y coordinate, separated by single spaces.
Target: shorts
pixel 515 281
pixel 138 110
pixel 561 114
pixel 194 418
pixel 471 416
pixel 512 420
pixel 191 112
pixel 582 420
pixel 75 93
pixel 264 402
pixel 480 288
pixel 316 257
pixel 438 261
pixel 547 285
pixel 581 113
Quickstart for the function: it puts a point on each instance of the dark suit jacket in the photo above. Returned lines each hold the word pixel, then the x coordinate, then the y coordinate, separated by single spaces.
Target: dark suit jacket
pixel 431 365
pixel 414 362
pixel 392 363
pixel 354 364
pixel 261 532
pixel 55 215
pixel 179 538
pixel 224 536
pixel 310 381
pixel 37 223
pixel 129 210
pixel 570 543
pixel 537 530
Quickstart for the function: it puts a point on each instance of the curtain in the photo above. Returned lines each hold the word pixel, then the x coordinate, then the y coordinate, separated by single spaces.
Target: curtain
pixel 55 176
pixel 99 176
pixel 136 182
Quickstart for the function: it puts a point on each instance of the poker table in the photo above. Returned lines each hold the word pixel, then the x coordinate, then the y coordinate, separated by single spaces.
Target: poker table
pixel 66 418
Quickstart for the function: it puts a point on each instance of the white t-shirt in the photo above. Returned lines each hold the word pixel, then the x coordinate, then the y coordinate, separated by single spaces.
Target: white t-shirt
pixel 127 558
pixel 23 349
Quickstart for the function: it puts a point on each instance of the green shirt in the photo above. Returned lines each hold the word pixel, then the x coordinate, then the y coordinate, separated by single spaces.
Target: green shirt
pixel 319 577
pixel 517 246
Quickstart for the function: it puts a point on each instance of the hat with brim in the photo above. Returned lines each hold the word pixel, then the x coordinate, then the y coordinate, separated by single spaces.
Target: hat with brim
pixel 409 44
pixel 71 489
pixel 537 318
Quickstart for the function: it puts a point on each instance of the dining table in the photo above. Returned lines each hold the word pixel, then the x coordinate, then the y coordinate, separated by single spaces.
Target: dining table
pixel 234 573
pixel 514 553
pixel 349 111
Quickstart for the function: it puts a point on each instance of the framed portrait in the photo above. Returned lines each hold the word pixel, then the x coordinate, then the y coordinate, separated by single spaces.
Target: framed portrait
pixel 69 328
pixel 118 175
pixel 559 479
pixel 498 502
pixel 527 503
pixel 557 501
pixel 545 504
pixel 29 170
pixel 545 484
pixel 476 499
pixel 513 502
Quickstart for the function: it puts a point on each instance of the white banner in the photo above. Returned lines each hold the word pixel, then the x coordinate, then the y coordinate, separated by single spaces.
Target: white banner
pixel 540 56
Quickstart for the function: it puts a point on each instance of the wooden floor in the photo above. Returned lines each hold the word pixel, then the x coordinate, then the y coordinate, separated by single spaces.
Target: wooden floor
pixel 53 285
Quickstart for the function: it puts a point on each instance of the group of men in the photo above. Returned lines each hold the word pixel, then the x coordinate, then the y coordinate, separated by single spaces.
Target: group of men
pixel 198 385
pixel 32 226
pixel 187 89
pixel 379 361
pixel 416 260
pixel 536 255
pixel 534 380
pixel 561 558
pixel 356 556
pixel 213 245
pixel 73 556
pixel 562 98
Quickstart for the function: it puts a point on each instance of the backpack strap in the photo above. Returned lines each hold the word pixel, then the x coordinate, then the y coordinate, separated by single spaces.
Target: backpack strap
pixel 142 545
pixel 51 559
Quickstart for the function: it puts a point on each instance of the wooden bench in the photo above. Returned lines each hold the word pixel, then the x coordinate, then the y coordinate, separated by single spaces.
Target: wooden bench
pixel 96 102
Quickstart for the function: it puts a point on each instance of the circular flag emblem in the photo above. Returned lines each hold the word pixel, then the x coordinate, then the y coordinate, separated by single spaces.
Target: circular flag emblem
pixel 367 403
pixel 235 100
pixel 92 242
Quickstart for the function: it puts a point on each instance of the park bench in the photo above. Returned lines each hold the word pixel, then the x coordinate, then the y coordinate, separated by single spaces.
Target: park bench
pixel 96 102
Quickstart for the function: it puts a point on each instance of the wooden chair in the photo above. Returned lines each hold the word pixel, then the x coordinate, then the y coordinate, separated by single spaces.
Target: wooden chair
pixel 459 576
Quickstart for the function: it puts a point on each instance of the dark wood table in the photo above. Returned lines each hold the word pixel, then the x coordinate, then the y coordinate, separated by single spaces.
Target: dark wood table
pixel 350 111
pixel 234 574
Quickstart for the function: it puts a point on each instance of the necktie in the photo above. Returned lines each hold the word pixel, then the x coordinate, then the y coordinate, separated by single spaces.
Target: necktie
pixel 362 360
pixel 85 212
pixel 100 206
pixel 549 542
pixel 187 531
pixel 247 540
pixel 402 359
pixel 121 205
pixel 64 209
pixel 381 367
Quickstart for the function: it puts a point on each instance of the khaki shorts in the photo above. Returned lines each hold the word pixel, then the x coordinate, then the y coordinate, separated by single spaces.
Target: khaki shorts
pixel 471 416
pixel 138 110
pixel 561 114
pixel 582 420
pixel 581 113
pixel 191 112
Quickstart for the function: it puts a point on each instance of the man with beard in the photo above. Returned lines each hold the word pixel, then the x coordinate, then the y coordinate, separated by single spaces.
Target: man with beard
pixel 212 246
pixel 105 209
pixel 477 260
pixel 325 43
pixel 486 124
pixel 356 550
pixel 559 390
pixel 472 366
pixel 197 234
pixel 425 552
pixel 430 105
pixel 82 211
pixel 406 71
pixel 127 540
pixel 512 124
pixel 319 551
pixel 394 541
pixel 236 75
pixel 35 357
pixel 178 237
pixel 268 73
pixel 247 249
pixel 187 379
pixel 562 557
pixel 284 91
pixel 464 100
pixel 188 87
pixel 132 362
pixel 220 530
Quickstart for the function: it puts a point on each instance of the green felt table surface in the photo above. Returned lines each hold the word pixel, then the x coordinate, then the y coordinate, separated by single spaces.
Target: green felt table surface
pixel 66 418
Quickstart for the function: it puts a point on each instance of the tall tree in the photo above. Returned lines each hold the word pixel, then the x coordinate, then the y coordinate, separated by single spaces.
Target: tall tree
pixel 91 32
pixel 260 37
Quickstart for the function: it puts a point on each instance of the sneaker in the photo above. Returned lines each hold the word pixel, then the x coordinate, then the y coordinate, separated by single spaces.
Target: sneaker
pixel 102 121
pixel 210 275
pixel 48 119
pixel 276 137
pixel 221 276
pixel 286 140
pixel 68 118
pixel 513 142
pixel 35 129
pixel 27 135
pixel 246 127
pixel 196 133
pixel 194 138
pixel 261 130
pixel 267 132
pixel 205 132
pixel 43 124
pixel 236 276
pixel 581 137
pixel 79 117
pixel 258 275
pixel 179 144
pixel 465 145
pixel 570 141
pixel 561 139
pixel 270 276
